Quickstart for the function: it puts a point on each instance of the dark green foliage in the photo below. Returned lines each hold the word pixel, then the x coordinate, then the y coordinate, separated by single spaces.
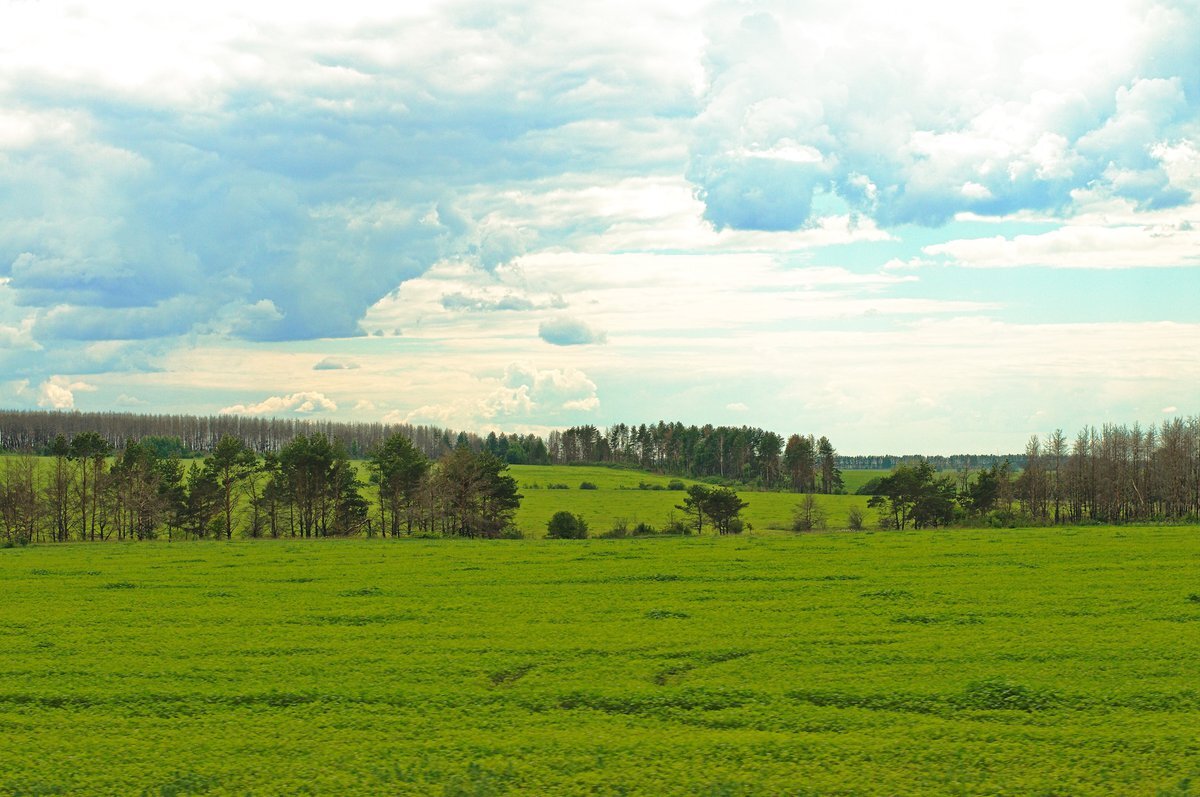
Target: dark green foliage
pixel 871 487
pixel 720 506
pixel 317 489
pixel 476 496
pixel 986 490
pixel 565 526
pixel 230 463
pixel 587 486
pixel 400 470
pixel 912 494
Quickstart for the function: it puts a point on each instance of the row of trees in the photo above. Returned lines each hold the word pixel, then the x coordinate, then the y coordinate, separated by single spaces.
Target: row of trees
pixel 741 454
pixel 309 488
pixel 192 435
pixel 1114 474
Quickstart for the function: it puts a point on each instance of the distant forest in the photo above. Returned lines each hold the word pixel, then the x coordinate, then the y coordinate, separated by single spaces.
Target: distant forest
pixel 737 454
pixel 98 476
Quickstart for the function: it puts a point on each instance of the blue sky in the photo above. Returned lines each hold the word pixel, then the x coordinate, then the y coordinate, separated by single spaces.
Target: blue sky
pixel 932 229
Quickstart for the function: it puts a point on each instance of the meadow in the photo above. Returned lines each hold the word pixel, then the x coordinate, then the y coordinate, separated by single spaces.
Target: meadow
pixel 618 495
pixel 1020 662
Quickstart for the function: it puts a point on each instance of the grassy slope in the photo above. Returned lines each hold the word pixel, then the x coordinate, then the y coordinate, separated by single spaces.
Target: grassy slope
pixel 967 662
pixel 618 496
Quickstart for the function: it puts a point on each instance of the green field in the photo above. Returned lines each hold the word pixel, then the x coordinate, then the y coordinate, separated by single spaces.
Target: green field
pixel 1027 662
pixel 617 496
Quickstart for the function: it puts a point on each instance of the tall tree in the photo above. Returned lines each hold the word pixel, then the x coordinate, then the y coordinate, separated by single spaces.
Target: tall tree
pixel 400 469
pixel 58 491
pixel 90 451
pixel 831 477
pixel 798 460
pixel 230 463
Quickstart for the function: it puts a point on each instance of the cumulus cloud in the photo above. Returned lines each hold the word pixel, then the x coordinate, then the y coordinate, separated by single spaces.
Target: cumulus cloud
pixel 552 386
pixel 525 394
pixel 737 406
pixel 58 392
pixel 566 331
pixel 912 122
pixel 304 402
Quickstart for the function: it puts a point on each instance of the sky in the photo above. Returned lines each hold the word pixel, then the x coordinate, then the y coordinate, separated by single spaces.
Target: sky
pixel 927 227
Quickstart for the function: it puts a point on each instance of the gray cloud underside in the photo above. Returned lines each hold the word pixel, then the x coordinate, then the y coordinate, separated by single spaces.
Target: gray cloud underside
pixel 569 332
pixel 286 208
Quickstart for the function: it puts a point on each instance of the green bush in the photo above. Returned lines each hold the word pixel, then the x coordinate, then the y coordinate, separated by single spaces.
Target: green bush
pixel 587 486
pixel 676 484
pixel 565 526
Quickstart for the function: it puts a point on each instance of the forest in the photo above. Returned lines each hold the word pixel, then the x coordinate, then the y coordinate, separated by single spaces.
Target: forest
pixel 104 483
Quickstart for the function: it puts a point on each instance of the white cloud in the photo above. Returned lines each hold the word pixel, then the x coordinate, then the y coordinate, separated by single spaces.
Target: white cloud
pixel 58 392
pixel 303 402
pixel 1079 246
pixel 737 406
pixel 914 113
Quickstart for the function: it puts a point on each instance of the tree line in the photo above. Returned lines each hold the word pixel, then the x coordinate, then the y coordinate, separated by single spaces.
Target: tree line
pixel 84 489
pixel 756 458
pixel 736 454
pixel 1114 474
pixel 194 435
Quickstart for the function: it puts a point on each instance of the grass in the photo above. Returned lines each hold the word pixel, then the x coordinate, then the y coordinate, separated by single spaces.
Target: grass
pixel 617 495
pixel 1026 662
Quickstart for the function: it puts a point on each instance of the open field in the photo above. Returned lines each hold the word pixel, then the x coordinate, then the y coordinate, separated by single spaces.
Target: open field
pixel 617 496
pixel 1027 662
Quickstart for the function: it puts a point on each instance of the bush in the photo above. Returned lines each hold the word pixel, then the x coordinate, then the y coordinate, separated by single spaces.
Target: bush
pixel 558 486
pixel 565 526
pixel 808 514
pixel 676 484
pixel 587 486
pixel 854 519
pixel 675 526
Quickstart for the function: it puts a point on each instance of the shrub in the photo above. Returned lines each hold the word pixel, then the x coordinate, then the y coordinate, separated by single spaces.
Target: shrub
pixel 676 484
pixel 565 526
pixel 808 514
pixel 643 530
pixel 676 526
pixel 854 519
pixel 558 486
pixel 587 486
